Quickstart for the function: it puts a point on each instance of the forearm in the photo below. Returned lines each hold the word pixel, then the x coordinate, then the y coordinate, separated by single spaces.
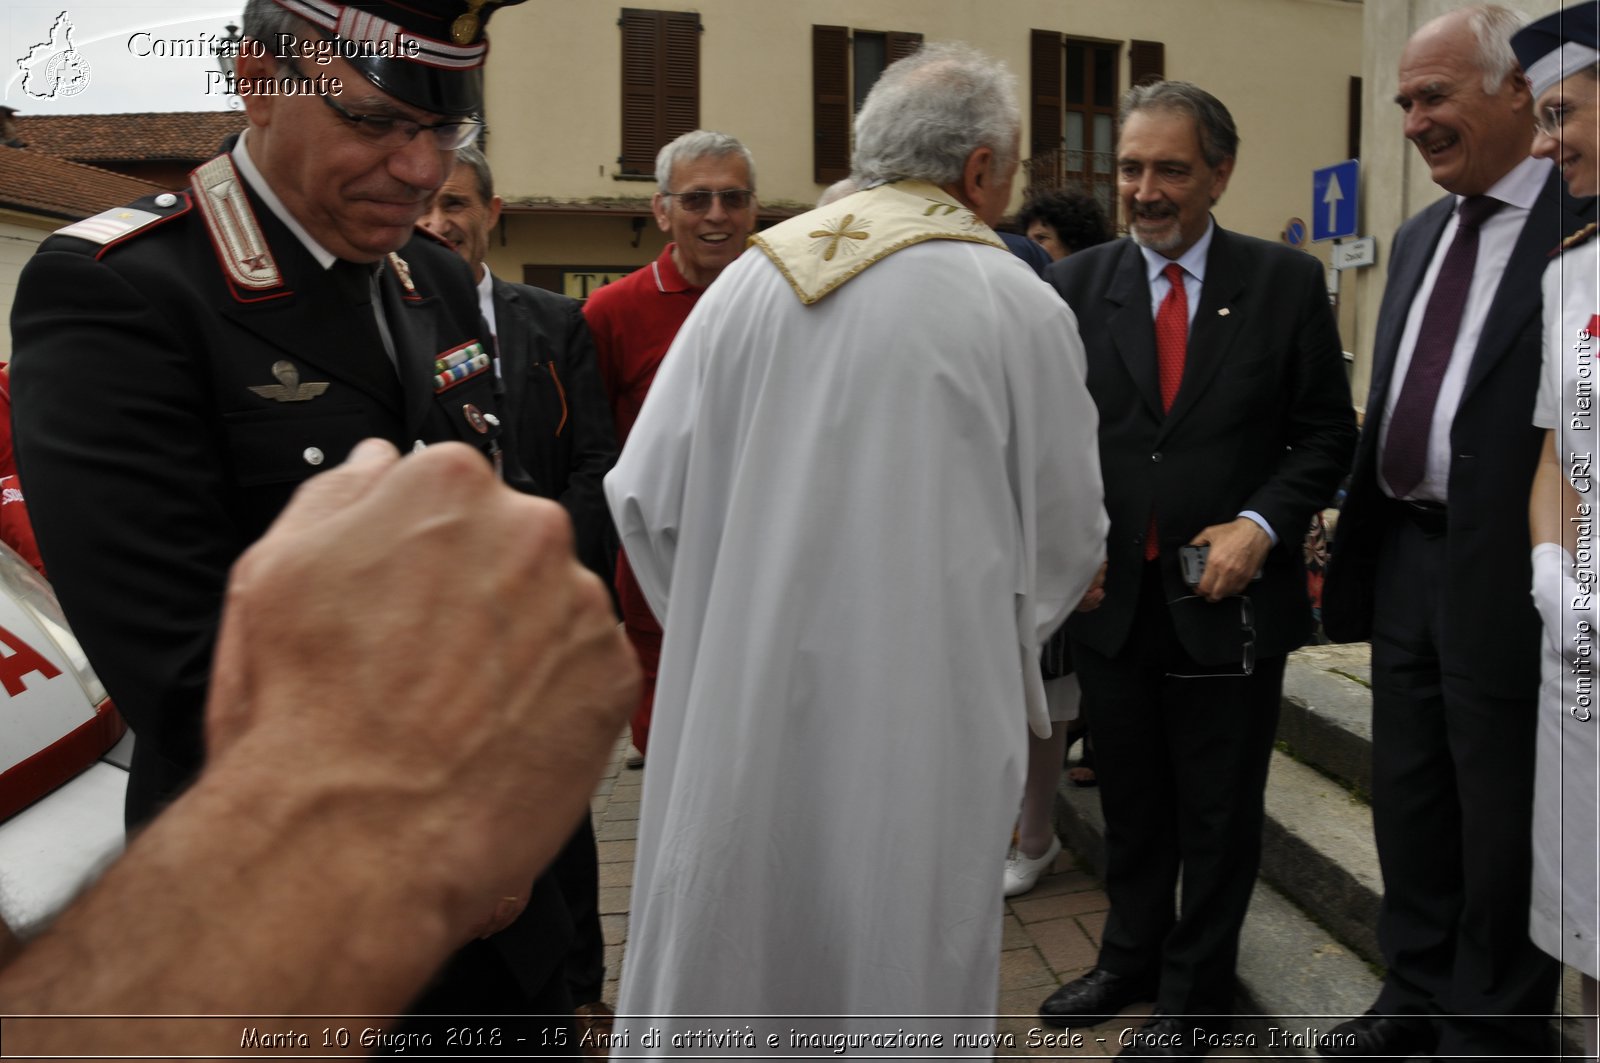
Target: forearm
pixel 244 898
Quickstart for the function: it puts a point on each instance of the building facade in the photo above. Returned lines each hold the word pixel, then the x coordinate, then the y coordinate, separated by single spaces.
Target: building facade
pixel 580 95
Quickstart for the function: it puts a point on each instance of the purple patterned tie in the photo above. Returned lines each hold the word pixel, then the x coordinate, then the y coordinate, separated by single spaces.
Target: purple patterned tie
pixel 1405 453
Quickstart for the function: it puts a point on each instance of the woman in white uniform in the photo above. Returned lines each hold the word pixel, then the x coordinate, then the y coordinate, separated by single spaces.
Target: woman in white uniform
pixel 1559 54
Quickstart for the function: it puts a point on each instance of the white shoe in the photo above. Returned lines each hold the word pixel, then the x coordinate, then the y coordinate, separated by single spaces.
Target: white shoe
pixel 1023 873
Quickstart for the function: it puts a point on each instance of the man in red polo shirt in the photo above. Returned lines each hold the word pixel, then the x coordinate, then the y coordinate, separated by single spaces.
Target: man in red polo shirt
pixel 706 200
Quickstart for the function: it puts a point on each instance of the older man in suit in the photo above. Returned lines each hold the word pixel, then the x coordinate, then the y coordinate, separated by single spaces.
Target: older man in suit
pixel 1225 422
pixel 1431 559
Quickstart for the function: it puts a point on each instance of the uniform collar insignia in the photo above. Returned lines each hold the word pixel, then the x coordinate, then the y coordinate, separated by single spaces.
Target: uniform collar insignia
pixel 235 234
pixel 289 388
pixel 402 270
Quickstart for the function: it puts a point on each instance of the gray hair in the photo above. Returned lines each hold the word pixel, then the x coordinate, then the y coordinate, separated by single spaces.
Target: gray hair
pixel 700 144
pixel 469 155
pixel 1492 26
pixel 930 111
pixel 1219 139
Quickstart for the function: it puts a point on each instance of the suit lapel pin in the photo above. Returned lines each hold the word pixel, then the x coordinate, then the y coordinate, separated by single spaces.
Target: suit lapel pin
pixel 1223 312
pixel 289 388
pixel 475 418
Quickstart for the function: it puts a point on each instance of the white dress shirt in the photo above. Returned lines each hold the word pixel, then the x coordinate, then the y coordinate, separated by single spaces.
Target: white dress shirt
pixel 1497 236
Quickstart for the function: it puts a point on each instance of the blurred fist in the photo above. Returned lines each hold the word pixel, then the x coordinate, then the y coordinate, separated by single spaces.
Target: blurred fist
pixel 415 645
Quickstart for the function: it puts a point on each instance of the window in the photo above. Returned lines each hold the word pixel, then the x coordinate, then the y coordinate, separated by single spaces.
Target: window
pixel 844 67
pixel 660 83
pixel 1075 85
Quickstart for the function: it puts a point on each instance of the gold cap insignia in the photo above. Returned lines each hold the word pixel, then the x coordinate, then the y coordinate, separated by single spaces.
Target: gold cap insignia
pixel 465 27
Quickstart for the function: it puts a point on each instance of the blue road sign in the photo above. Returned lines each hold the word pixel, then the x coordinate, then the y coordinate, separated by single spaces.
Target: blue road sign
pixel 1333 201
pixel 1294 233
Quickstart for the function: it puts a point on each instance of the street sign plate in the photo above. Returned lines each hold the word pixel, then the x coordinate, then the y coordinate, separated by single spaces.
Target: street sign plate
pixel 1333 201
pixel 1295 233
pixel 1356 253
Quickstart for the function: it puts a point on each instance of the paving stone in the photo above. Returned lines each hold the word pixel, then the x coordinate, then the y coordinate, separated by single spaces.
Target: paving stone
pixel 614 929
pixel 617 873
pixel 1012 934
pixel 1021 968
pixel 611 852
pixel 1094 925
pixel 618 830
pixel 1063 944
pixel 1031 909
pixel 622 809
pixel 614 900
pixel 1065 879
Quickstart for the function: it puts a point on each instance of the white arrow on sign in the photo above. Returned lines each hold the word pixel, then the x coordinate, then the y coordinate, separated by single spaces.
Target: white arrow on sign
pixel 1331 196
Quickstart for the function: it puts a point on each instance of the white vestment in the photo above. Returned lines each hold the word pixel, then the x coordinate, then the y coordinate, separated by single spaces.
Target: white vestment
pixel 856 520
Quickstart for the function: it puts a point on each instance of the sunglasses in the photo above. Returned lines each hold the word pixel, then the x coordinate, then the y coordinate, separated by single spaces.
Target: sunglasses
pixel 699 201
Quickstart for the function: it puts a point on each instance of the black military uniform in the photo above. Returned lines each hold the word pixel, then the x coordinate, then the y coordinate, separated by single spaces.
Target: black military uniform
pixel 179 367
pixel 165 413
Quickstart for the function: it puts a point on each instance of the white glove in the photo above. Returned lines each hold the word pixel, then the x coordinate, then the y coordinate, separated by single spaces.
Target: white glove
pixel 1562 601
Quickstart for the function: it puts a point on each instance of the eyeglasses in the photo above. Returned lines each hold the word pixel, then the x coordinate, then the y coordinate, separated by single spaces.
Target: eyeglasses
pixel 1247 641
pixel 1550 119
pixel 391 131
pixel 699 201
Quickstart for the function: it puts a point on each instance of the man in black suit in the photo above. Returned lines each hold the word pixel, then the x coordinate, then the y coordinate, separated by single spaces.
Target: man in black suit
pixel 1431 559
pixel 561 437
pixel 561 432
pixel 1225 422
pixel 183 364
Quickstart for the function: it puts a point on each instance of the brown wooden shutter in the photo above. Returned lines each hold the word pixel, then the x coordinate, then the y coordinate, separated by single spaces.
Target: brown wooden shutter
pixel 680 75
pixel 1044 107
pixel 830 103
pixel 1147 62
pixel 660 83
pixel 900 45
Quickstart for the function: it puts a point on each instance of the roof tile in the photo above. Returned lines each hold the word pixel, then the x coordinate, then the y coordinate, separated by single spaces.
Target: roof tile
pixel 184 136
pixel 58 188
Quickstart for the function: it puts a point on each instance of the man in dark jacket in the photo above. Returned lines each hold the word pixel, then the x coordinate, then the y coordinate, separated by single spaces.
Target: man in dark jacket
pixel 561 433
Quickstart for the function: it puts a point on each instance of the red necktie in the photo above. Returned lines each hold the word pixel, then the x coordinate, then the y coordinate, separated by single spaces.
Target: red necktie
pixel 1405 449
pixel 1172 335
pixel 1172 345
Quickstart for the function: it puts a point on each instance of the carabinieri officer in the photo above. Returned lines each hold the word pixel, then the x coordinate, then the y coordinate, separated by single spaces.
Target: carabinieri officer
pixel 183 363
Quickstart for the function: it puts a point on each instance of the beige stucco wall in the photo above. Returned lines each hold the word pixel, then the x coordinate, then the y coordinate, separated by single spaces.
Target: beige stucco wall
pixel 554 92
pixel 1395 182
pixel 20 234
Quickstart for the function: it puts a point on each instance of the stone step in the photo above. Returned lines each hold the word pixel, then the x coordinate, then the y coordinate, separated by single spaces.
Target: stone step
pixel 1317 850
pixel 1326 720
pixel 1293 974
